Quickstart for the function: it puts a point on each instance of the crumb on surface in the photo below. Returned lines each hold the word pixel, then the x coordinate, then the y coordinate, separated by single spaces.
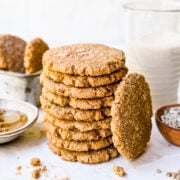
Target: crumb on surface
pixel 43 168
pixel 168 174
pixel 19 168
pixel 35 161
pixel 65 178
pixel 158 171
pixel 174 175
pixel 18 173
pixel 36 173
pixel 119 171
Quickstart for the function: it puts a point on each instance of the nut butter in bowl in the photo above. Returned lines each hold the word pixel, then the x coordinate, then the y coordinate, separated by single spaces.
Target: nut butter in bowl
pixel 11 120
pixel 15 117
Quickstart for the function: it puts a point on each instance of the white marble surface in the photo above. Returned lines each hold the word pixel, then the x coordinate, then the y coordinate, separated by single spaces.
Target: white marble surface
pixel 160 154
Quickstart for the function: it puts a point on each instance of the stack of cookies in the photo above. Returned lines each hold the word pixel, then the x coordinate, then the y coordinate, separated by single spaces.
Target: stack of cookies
pixel 79 82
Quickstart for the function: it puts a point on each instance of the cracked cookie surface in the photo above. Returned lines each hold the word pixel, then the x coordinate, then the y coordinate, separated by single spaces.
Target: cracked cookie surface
pixel 95 103
pixel 86 81
pixel 70 113
pixel 81 93
pixel 91 157
pixel 79 146
pixel 75 134
pixel 79 125
pixel 84 59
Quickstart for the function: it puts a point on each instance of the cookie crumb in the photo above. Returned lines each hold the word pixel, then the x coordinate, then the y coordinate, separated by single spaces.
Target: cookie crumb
pixel 65 178
pixel 119 171
pixel 168 174
pixel 18 168
pixel 36 173
pixel 43 168
pixel 35 161
pixel 158 171
pixel 174 175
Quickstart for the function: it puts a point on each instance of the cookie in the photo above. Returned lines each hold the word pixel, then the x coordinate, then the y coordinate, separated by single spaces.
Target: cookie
pixel 91 157
pixel 84 59
pixel 70 113
pixel 33 55
pixel 12 53
pixel 75 134
pixel 95 103
pixel 86 81
pixel 79 125
pixel 79 146
pixel 81 93
pixel 131 116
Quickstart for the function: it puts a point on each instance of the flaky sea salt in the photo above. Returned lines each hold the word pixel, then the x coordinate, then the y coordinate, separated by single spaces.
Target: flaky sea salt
pixel 171 117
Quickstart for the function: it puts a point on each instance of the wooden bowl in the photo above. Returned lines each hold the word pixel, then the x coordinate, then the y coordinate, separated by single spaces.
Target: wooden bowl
pixel 171 134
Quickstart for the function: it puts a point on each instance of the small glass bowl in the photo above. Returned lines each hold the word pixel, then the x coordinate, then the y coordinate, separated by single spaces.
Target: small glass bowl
pixel 26 108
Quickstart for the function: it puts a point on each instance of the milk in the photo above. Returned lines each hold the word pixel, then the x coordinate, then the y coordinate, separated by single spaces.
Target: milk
pixel 157 57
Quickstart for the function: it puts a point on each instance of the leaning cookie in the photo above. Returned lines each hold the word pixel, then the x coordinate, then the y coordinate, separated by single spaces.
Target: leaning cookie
pixel 12 53
pixel 33 55
pixel 131 116
pixel 91 157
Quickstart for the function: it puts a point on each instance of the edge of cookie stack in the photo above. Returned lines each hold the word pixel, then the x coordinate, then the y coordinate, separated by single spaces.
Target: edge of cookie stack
pixel 79 82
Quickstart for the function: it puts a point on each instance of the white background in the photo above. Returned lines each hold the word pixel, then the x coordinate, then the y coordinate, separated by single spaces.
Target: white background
pixel 70 21
pixel 64 21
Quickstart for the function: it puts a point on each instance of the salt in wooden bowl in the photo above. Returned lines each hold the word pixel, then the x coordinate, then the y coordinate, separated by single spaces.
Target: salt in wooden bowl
pixel 171 134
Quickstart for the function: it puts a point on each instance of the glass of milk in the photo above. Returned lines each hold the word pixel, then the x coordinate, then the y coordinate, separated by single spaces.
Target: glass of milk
pixel 153 47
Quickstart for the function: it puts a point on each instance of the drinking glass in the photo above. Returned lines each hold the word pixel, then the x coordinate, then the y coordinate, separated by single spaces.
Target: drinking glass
pixel 153 47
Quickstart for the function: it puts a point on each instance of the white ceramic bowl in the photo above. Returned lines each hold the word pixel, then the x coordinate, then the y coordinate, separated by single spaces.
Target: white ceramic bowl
pixel 26 108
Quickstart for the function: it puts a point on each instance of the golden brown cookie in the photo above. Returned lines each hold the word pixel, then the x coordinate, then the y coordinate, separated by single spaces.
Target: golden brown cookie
pixel 79 125
pixel 33 55
pixel 12 53
pixel 81 93
pixel 79 146
pixel 70 113
pixel 95 103
pixel 86 81
pixel 91 157
pixel 84 59
pixel 75 134
pixel 131 116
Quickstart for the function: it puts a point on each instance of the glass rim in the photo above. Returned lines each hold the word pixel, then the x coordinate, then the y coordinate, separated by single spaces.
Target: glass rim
pixel 133 6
